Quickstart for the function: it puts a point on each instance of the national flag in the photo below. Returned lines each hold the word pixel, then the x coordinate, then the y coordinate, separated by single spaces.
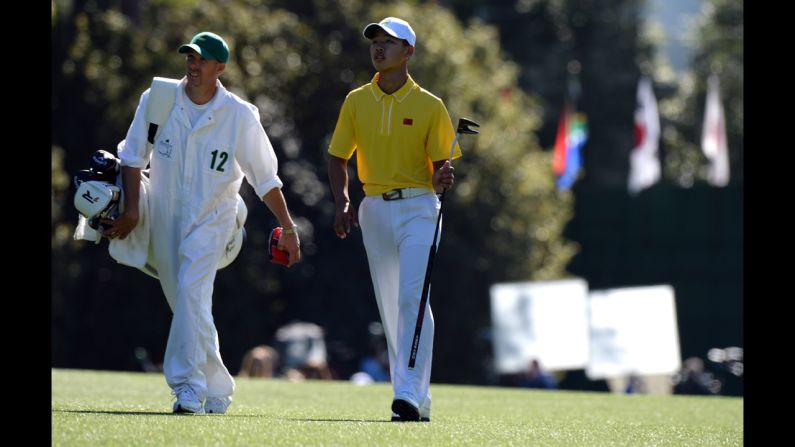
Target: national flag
pixel 644 161
pixel 713 136
pixel 571 136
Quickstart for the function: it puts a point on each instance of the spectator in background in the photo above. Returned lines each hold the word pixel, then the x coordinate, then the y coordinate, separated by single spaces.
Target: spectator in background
pixel 376 363
pixel 635 385
pixel 260 361
pixel 535 377
pixel 302 348
pixel 146 364
pixel 692 379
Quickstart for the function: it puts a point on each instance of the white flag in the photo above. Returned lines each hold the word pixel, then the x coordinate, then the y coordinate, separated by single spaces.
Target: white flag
pixel 644 163
pixel 713 136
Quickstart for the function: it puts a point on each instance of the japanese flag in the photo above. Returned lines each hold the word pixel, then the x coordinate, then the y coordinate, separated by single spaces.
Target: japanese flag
pixel 644 169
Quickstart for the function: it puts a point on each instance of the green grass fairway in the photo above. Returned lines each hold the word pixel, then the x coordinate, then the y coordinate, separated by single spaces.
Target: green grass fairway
pixel 114 408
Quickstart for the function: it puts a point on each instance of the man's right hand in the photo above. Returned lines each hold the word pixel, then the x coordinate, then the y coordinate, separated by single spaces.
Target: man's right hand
pixel 344 219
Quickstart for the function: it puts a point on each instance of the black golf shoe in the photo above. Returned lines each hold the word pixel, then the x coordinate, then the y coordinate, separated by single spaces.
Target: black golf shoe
pixel 397 418
pixel 405 411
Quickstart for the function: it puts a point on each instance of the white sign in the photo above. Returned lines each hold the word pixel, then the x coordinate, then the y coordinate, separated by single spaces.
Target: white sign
pixel 546 321
pixel 633 331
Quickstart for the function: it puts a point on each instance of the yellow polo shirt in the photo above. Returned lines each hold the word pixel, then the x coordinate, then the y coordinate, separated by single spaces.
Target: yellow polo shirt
pixel 396 137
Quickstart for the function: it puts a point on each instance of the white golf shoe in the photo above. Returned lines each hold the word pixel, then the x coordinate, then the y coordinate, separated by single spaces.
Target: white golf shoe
pixel 217 405
pixel 187 400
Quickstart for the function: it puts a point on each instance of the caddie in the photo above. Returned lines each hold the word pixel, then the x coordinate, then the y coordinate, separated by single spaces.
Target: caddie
pixel 197 159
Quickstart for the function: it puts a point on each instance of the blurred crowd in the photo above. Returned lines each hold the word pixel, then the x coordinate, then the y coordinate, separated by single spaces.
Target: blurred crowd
pixel 299 352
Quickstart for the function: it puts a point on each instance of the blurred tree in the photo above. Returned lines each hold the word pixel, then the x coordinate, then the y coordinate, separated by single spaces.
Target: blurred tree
pixel 296 61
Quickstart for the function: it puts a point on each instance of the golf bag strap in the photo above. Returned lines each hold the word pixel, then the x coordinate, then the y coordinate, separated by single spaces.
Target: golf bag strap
pixel 162 95
pixel 152 133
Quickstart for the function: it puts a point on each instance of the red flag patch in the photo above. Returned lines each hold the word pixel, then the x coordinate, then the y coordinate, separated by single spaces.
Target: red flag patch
pixel 408 121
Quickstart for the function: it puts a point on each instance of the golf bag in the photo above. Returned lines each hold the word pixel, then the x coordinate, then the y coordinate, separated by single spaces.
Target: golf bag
pixel 99 195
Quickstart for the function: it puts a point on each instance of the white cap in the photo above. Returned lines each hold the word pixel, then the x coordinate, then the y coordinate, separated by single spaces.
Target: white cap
pixel 394 27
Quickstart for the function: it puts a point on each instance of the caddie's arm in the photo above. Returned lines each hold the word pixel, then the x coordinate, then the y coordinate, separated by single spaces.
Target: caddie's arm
pixel 289 242
pixel 345 214
pixel 128 219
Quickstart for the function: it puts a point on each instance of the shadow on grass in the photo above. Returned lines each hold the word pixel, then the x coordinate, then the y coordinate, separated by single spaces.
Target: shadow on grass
pixel 161 413
pixel 155 413
pixel 121 413
pixel 338 420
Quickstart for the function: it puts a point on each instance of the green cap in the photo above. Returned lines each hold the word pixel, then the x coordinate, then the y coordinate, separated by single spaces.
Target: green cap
pixel 209 45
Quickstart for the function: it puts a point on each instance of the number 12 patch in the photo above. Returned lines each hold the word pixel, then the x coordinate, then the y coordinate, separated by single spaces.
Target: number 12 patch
pixel 221 160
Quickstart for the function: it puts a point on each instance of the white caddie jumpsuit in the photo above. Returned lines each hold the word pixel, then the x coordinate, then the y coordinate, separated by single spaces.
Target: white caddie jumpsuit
pixel 195 175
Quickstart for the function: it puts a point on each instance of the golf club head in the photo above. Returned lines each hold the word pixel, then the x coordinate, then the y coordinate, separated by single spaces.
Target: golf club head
pixel 463 126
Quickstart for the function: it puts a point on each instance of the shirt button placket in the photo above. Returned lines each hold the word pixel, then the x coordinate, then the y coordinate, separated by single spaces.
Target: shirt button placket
pixel 187 174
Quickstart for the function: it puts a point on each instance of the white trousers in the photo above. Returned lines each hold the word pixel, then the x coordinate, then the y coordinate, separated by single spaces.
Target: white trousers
pixel 397 237
pixel 186 265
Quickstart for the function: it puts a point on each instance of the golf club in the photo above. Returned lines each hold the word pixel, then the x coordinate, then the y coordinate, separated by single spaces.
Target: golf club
pixel 463 128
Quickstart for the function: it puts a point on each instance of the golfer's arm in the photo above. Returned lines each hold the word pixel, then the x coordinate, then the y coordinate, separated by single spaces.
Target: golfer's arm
pixel 338 178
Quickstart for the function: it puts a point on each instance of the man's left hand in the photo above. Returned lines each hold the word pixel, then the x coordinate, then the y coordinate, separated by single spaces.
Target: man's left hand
pixel 443 178
pixel 290 244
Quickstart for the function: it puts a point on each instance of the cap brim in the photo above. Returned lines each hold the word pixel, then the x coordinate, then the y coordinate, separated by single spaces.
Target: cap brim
pixel 192 46
pixel 369 30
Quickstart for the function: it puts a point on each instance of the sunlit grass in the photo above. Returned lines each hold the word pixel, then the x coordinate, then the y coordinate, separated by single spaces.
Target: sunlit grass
pixel 114 408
